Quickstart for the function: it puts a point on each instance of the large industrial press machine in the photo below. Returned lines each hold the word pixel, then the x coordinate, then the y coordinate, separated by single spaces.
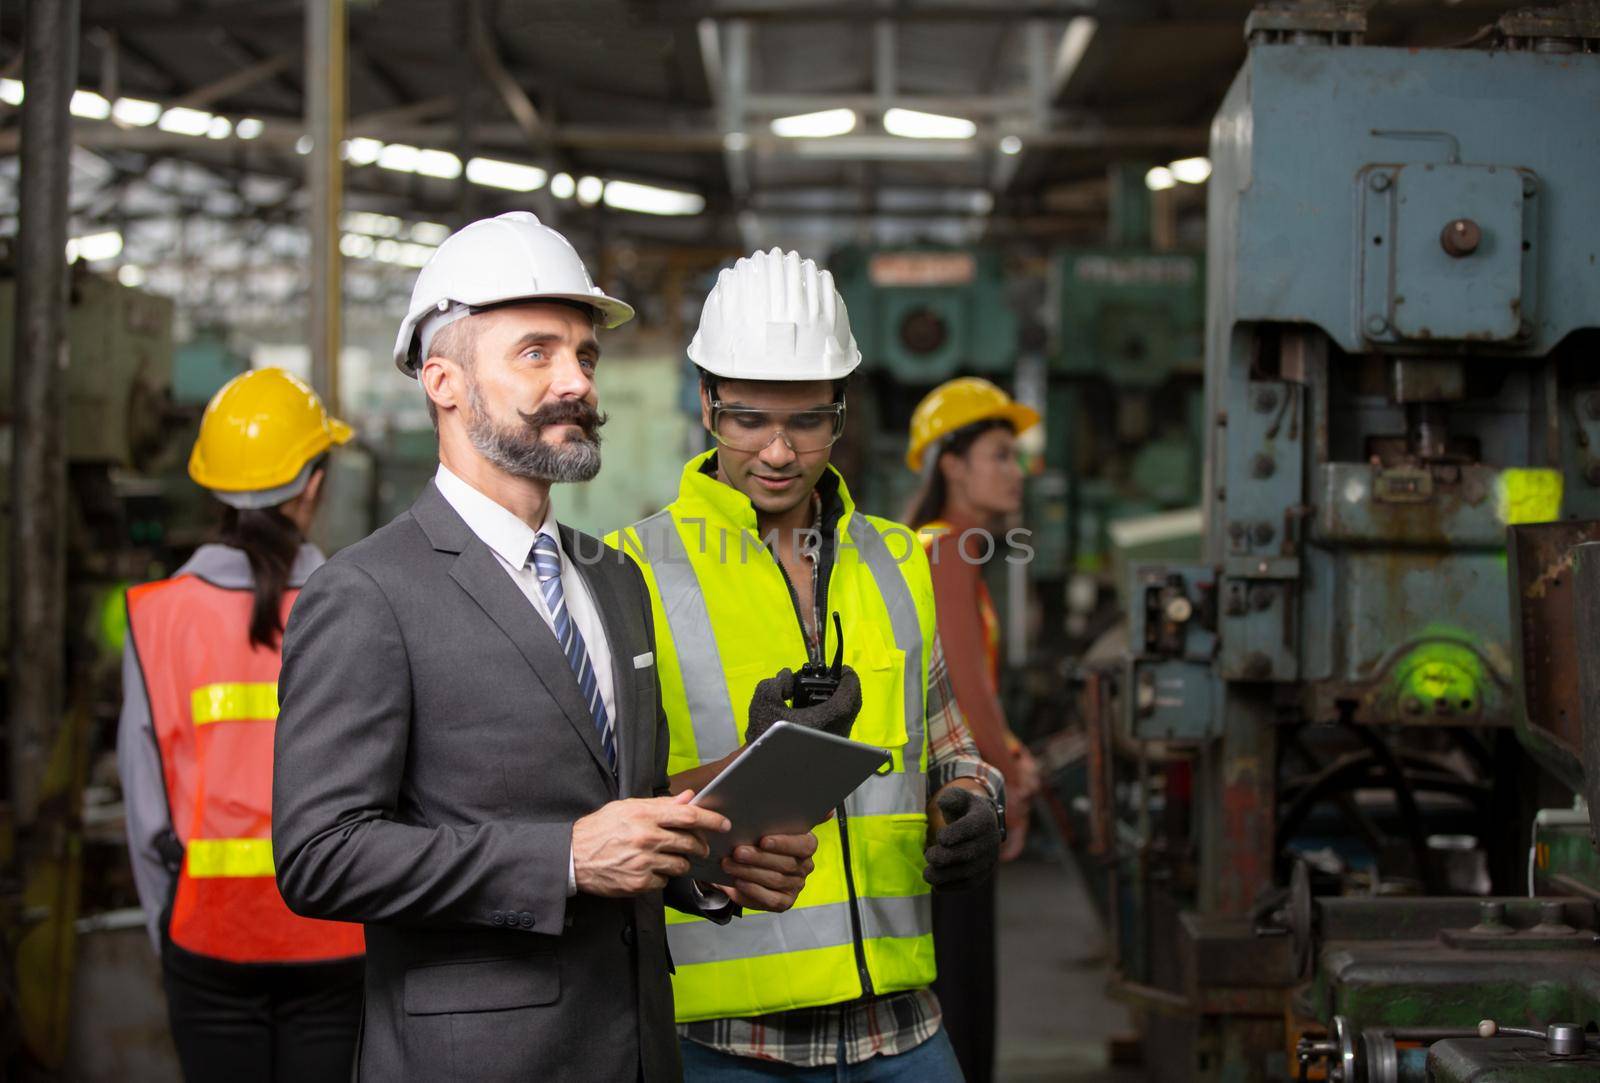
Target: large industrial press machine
pixel 1338 780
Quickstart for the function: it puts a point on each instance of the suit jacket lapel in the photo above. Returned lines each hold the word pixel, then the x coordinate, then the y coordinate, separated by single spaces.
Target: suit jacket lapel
pixel 481 575
pixel 596 574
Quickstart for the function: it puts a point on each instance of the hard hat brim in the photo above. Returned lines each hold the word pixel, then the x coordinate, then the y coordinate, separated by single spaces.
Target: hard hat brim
pixel 1021 416
pixel 612 314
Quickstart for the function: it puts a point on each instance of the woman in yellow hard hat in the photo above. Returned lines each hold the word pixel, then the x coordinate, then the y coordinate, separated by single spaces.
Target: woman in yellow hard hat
pixel 254 992
pixel 963 443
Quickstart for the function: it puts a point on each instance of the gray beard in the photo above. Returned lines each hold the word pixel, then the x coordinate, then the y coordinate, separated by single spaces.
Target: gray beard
pixel 520 451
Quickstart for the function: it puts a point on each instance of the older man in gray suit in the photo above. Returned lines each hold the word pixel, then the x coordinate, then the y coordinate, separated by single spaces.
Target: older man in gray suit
pixel 471 753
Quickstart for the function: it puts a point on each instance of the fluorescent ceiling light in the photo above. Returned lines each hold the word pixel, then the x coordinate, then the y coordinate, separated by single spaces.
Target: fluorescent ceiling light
pixel 400 157
pixel 1075 41
pixel 1191 170
pixel 590 190
pixel 362 151
pixel 562 185
pixel 135 112
pixel 735 142
pixel 88 104
pixel 11 91
pixel 303 145
pixel 819 125
pixel 185 121
pixel 648 199
pixel 512 176
pixel 220 128
pixel 438 163
pixel 886 147
pixel 1011 144
pixel 403 253
pixel 912 124
pixel 130 275
pixel 1159 179
pixel 356 246
pixel 249 128
pixel 430 233
pixel 95 246
pixel 376 225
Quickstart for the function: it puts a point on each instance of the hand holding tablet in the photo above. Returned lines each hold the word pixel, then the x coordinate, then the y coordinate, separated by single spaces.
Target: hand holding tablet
pixel 784 783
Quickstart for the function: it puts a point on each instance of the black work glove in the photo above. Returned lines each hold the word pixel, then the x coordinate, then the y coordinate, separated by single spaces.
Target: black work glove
pixel 836 715
pixel 967 846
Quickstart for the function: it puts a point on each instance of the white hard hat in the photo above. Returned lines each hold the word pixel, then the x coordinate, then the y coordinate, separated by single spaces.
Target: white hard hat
pixel 492 261
pixel 775 316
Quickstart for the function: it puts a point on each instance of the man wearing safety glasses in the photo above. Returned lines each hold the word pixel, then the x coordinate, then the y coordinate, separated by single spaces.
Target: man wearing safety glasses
pixel 760 567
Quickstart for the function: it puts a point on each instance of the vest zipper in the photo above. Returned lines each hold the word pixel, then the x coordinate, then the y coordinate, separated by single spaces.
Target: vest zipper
pixel 856 936
pixel 855 903
pixel 794 602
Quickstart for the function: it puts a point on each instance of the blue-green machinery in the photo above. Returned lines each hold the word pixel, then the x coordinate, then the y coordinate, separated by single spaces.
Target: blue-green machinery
pixel 1125 376
pixel 1401 341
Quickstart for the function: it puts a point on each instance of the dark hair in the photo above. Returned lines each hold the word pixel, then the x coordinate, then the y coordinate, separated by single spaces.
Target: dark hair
pixel 271 542
pixel 708 383
pixel 928 503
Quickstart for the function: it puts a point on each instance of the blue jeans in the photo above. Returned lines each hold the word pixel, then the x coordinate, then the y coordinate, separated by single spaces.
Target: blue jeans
pixel 934 1061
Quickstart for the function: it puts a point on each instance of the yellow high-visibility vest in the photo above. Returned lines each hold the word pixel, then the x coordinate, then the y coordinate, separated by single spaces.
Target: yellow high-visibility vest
pixel 724 620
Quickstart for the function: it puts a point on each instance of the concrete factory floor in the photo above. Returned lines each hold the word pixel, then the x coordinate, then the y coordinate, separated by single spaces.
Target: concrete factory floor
pixel 1055 1018
pixel 1056 1021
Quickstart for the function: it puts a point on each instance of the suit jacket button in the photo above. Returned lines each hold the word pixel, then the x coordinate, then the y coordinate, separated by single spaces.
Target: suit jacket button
pixel 498 918
pixel 526 920
pixel 627 934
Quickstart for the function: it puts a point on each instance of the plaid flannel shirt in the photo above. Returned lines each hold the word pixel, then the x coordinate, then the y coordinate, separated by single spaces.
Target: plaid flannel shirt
pixel 873 1025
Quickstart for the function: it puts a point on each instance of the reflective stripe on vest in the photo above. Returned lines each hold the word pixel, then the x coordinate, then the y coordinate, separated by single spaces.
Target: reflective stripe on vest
pixel 903 619
pixel 236 702
pixel 685 609
pixel 229 857
pixel 759 933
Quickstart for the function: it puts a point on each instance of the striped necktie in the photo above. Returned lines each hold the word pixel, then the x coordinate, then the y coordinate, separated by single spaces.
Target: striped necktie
pixel 547 565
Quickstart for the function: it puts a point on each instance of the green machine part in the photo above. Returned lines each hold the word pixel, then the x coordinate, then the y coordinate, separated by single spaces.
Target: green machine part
pixel 119 371
pixel 926 314
pixel 202 365
pixel 1125 379
pixel 119 368
pixel 1132 318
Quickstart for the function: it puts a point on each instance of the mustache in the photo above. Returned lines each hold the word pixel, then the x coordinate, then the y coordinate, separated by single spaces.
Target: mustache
pixel 566 412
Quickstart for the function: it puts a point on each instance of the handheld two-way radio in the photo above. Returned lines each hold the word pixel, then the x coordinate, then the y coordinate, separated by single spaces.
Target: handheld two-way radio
pixel 816 682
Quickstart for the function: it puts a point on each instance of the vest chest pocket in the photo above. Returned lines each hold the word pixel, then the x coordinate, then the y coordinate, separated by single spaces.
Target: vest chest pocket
pixel 882 720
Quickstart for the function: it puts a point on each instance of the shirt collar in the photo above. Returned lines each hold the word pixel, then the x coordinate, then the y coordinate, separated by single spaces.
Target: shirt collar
pixel 227 566
pixel 494 524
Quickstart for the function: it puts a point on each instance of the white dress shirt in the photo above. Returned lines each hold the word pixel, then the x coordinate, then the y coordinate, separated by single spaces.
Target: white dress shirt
pixel 511 541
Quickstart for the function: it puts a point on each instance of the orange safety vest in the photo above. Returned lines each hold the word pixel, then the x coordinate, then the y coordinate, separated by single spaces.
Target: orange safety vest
pixel 932 532
pixel 214 705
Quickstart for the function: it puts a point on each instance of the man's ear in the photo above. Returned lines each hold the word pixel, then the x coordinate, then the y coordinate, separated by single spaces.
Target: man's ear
pixel 439 383
pixel 705 408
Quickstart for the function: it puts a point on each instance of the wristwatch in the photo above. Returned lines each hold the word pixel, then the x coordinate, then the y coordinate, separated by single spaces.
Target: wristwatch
pixel 997 800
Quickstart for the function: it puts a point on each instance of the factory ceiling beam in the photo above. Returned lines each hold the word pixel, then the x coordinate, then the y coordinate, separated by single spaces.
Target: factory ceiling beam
pixel 1079 133
pixel 120 15
pixel 243 79
pixel 516 100
pixel 966 105
pixel 243 52
pixel 922 10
